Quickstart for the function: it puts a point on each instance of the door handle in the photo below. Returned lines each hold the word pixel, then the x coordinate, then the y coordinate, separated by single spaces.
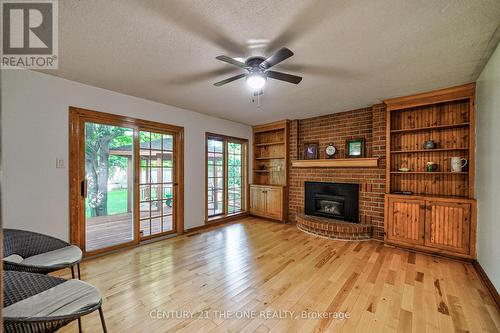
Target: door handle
pixel 83 188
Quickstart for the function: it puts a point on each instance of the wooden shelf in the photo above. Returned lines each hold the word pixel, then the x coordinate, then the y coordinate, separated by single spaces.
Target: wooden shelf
pixel 430 128
pixel 431 196
pixel 427 150
pixel 261 171
pixel 337 163
pixel 269 143
pixel 430 173
pixel 270 158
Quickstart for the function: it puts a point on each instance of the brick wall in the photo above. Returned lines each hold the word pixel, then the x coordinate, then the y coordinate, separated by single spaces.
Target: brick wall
pixel 368 123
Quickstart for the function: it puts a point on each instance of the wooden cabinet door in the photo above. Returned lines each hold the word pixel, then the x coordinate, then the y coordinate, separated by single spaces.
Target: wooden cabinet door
pixel 405 221
pixel 447 226
pixel 257 200
pixel 274 203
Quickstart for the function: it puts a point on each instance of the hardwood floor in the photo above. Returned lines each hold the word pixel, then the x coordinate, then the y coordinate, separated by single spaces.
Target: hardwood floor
pixel 257 265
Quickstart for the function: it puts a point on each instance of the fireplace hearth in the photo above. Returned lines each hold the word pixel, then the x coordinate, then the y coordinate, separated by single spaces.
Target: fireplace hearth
pixel 334 200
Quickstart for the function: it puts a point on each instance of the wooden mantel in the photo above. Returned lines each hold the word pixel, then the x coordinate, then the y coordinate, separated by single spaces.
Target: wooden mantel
pixel 370 162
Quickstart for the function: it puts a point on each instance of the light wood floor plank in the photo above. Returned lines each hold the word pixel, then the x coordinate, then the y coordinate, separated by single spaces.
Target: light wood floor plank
pixel 253 266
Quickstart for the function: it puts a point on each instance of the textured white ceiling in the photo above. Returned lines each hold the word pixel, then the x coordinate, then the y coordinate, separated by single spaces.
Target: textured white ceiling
pixel 351 53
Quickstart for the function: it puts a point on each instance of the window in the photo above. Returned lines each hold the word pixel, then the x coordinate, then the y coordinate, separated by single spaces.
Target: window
pixel 226 175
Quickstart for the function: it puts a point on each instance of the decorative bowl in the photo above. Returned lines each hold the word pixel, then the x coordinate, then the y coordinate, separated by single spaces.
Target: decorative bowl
pixel 430 144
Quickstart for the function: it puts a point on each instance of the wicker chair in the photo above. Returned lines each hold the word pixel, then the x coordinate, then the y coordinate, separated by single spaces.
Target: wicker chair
pixel 38 303
pixel 28 251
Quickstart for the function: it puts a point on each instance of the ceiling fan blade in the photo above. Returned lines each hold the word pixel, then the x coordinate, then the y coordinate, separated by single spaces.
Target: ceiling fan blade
pixel 276 58
pixel 231 61
pixel 284 77
pixel 231 79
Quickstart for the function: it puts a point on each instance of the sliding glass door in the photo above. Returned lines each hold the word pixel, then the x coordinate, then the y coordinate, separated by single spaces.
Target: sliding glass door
pixel 108 186
pixel 126 180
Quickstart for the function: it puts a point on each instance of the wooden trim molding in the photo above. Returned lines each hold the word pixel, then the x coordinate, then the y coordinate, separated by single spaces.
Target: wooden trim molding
pixel 77 119
pixel 487 282
pixel 270 126
pixel 371 162
pixel 433 97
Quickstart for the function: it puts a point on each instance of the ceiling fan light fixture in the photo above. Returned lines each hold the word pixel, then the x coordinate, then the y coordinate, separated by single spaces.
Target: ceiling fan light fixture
pixel 256 81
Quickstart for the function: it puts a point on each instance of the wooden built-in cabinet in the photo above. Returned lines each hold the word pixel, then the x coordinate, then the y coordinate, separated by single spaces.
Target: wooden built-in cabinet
pixel 439 215
pixel 438 225
pixel 405 220
pixel 269 189
pixel 448 225
pixel 267 201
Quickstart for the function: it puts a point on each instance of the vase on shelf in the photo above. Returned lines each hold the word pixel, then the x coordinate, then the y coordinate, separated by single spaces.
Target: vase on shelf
pixel 431 167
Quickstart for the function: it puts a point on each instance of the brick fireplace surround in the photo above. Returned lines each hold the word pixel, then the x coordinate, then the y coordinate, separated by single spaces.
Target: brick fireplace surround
pixel 368 123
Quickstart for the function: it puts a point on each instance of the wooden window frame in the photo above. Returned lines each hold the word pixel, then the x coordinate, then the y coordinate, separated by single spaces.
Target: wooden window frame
pixel 245 170
pixel 77 119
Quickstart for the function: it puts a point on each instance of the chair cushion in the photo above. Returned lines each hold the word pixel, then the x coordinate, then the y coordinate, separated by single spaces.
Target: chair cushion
pixel 64 256
pixel 67 298
pixel 14 258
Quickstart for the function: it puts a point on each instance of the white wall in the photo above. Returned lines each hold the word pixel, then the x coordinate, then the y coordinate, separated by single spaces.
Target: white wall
pixel 35 133
pixel 488 168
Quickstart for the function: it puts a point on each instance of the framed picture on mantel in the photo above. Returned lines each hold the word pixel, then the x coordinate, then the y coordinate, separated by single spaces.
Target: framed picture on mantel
pixel 355 148
pixel 311 150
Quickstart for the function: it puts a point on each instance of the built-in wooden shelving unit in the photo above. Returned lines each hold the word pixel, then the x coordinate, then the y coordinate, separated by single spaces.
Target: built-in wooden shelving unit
pixel 449 125
pixel 439 215
pixel 270 154
pixel 269 189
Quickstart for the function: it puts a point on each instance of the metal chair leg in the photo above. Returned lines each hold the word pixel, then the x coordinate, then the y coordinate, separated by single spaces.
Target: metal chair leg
pixel 102 320
pixel 78 266
pixel 79 325
pixel 72 272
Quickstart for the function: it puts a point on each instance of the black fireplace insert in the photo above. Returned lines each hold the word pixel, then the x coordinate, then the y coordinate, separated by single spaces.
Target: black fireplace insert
pixel 335 200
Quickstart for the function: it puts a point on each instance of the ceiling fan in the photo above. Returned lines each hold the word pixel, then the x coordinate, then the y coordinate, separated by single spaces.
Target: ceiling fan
pixel 258 70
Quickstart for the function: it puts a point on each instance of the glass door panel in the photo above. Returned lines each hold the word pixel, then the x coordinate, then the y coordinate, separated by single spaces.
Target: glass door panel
pixel 215 169
pixel 109 161
pixel 235 177
pixel 156 186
